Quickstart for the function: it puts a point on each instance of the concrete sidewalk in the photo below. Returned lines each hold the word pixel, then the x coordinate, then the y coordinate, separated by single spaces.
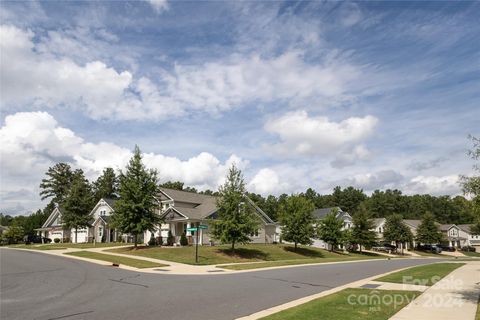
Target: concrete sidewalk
pixel 453 297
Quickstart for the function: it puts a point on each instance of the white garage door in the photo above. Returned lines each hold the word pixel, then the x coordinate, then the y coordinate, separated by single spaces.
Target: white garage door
pixel 81 236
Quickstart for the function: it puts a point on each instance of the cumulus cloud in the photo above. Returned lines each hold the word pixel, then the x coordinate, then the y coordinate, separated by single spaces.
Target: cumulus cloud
pixel 103 92
pixel 435 185
pixel 159 5
pixel 384 179
pixel 301 134
pixel 267 181
pixel 33 141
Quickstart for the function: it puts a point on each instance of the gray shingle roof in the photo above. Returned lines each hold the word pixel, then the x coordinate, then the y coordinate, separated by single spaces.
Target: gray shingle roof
pixel 322 212
pixel 110 202
pixel 204 206
pixel 412 223
pixel 466 227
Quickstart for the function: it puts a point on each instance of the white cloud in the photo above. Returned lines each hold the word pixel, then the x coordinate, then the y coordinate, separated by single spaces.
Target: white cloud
pixel 435 185
pixel 33 141
pixel 39 74
pixel 159 5
pixel 383 179
pixel 266 182
pixel 301 134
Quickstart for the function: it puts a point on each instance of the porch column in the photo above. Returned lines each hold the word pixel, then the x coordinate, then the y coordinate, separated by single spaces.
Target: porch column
pixel 188 233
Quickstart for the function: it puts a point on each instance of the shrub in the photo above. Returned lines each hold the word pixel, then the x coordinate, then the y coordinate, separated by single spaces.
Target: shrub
pixel 159 241
pixel 183 240
pixel 170 239
pixel 56 240
pixel 152 241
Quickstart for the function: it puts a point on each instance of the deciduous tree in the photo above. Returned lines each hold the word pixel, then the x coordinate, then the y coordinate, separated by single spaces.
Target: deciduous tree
pixel 297 221
pixel 428 232
pixel 362 231
pixel 329 229
pixel 396 230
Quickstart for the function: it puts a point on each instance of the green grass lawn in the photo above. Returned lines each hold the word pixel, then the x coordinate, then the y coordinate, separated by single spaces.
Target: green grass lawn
pixel 37 247
pixel 350 304
pixel 136 263
pixel 471 254
pixel 278 253
pixel 426 275
pixel 59 246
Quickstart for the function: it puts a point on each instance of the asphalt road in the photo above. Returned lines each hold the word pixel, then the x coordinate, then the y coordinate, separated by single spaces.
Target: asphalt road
pixel 39 286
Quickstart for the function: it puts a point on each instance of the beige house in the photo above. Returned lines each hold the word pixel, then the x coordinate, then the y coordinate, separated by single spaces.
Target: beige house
pixel 182 210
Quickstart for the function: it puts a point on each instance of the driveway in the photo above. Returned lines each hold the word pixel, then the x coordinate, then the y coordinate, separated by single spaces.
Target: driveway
pixel 40 286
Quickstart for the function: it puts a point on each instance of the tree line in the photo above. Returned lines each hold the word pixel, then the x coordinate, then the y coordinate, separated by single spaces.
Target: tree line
pixel 136 188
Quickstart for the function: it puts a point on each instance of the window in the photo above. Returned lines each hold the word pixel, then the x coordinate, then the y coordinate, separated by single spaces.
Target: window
pixel 254 234
pixel 103 212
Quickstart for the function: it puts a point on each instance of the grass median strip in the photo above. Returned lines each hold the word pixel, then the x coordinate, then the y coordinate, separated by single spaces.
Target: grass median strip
pixel 426 275
pixel 471 254
pixel 350 304
pixel 37 247
pixel 258 265
pixel 276 254
pixel 136 263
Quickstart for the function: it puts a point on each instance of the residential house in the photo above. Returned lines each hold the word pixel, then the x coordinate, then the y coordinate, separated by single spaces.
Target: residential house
pixel 99 229
pixel 53 227
pixel 182 210
pixel 321 213
pixel 459 236
pixel 379 227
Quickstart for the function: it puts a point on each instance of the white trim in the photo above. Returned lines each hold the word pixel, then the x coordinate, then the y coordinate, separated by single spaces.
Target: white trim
pixel 52 217
pixel 98 204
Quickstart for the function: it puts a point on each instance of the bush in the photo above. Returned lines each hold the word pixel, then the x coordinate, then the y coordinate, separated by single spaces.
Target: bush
pixel 183 240
pixel 66 240
pixel 152 241
pixel 468 249
pixel 170 239
pixel 159 241
pixel 56 240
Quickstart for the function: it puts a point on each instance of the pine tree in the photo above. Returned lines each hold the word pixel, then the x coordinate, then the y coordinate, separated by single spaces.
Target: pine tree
pixel 396 230
pixel 77 205
pixel 57 183
pixel 297 221
pixel 135 210
pixel 330 229
pixel 106 186
pixel 427 231
pixel 363 232
pixel 236 220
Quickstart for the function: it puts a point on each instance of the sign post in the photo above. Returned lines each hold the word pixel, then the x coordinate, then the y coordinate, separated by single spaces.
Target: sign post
pixel 197 230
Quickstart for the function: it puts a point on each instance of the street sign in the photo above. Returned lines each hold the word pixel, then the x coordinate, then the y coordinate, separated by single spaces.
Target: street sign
pixel 192 229
pixel 202 226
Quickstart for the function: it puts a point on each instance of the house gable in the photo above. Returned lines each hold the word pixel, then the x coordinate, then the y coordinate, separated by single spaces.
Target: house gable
pixel 54 219
pixel 104 207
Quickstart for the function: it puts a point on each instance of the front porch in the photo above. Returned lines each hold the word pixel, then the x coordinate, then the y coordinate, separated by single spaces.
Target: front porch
pixel 177 228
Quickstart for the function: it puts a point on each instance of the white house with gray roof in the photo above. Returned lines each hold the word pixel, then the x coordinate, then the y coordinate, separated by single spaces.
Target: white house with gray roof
pixel 99 229
pixel 321 213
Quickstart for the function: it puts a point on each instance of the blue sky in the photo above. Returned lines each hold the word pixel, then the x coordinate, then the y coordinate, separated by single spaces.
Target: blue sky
pixel 298 94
